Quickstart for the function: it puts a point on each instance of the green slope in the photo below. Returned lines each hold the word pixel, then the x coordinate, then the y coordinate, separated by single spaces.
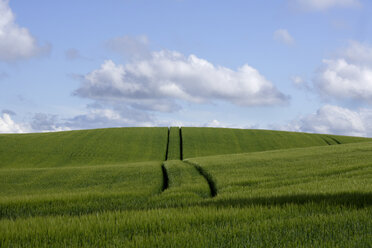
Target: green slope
pixel 214 141
pixel 53 193
pixel 261 177
pixel 302 197
pixel 81 148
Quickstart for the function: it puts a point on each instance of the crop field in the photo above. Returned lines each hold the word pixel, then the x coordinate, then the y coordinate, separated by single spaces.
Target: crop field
pixel 130 187
pixel 82 148
pixel 199 142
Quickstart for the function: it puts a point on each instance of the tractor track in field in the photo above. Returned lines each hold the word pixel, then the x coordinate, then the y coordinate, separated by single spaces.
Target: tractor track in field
pixel 167 149
pixel 165 178
pixel 163 169
pixel 181 144
pixel 335 140
pixel 202 172
pixel 326 141
pixel 208 178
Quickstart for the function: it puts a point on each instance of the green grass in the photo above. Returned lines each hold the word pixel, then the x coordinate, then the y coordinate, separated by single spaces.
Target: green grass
pixel 82 148
pixel 199 142
pixel 312 196
pixel 293 175
pixel 308 225
pixel 77 190
pixel 185 179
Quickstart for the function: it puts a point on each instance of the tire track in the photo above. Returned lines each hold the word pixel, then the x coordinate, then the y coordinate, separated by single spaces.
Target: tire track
pixel 207 177
pixel 165 178
pixel 332 138
pixel 181 144
pixel 167 149
pixel 163 169
pixel 335 140
pixel 326 141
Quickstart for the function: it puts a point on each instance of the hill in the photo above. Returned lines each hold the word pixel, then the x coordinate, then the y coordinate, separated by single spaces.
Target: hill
pixel 129 187
pixel 199 142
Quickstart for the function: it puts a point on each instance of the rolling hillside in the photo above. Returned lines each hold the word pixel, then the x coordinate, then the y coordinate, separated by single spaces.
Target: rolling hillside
pixel 128 187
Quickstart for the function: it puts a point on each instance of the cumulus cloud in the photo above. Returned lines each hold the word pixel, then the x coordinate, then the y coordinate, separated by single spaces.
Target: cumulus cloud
pixel 331 119
pixel 158 82
pixel 349 76
pixel 321 5
pixel 283 36
pixel 16 42
pixel 8 125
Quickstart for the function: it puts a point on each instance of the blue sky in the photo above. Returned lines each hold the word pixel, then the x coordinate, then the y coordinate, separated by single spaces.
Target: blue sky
pixel 299 65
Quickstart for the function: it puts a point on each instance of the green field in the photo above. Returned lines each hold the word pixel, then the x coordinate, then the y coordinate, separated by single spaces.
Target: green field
pixel 82 148
pixel 128 187
pixel 199 142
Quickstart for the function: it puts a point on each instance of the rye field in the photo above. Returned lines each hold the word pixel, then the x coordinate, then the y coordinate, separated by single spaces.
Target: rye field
pixel 185 187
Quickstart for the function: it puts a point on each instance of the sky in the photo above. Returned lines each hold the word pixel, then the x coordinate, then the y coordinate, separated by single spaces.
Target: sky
pixel 296 65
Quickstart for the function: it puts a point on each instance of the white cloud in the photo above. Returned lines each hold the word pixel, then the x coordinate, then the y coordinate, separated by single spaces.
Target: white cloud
pixel 331 119
pixel 321 5
pixel 158 82
pixel 349 76
pixel 8 125
pixel 283 36
pixel 16 42
pixel 343 80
